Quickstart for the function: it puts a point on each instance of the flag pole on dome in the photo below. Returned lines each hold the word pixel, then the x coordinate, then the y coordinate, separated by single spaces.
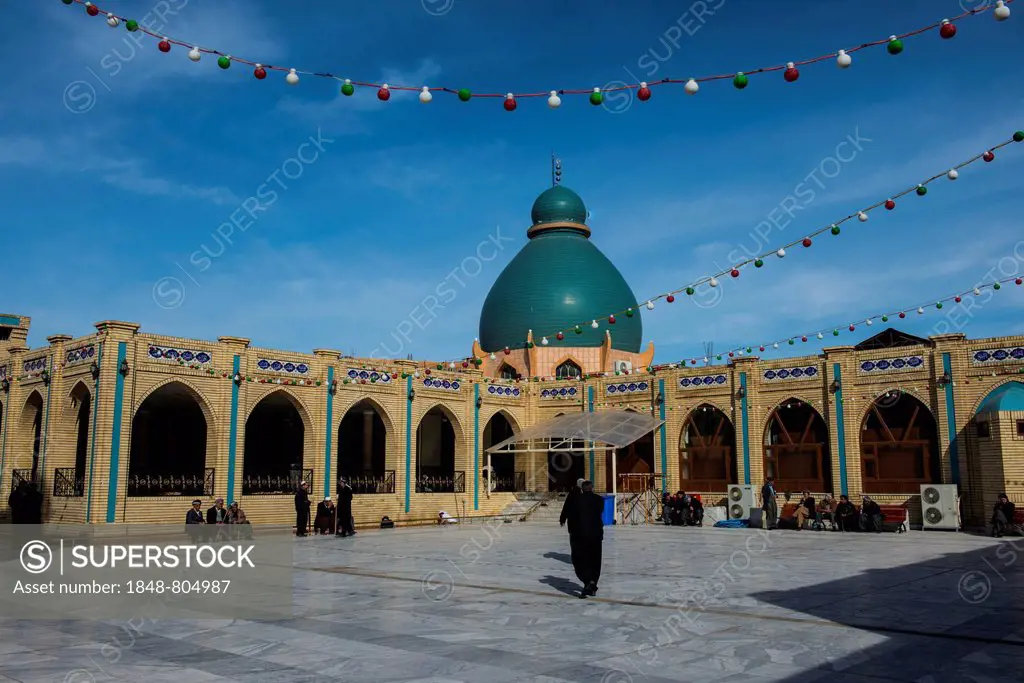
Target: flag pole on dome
pixel 556 170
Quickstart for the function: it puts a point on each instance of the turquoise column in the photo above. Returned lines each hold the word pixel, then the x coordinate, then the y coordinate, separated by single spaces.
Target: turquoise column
pixel 6 418
pixel 590 400
pixel 408 442
pixel 330 433
pixel 92 446
pixel 233 430
pixel 476 447
pixel 746 434
pixel 954 455
pixel 115 441
pixel 664 452
pixel 837 375
pixel 46 422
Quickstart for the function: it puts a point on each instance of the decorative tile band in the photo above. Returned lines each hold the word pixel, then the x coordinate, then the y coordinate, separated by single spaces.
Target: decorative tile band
pixel 697 382
pixel 902 364
pixel 508 392
pixel 780 374
pixel 371 376
pixel 995 356
pixel 271 365
pixel 180 356
pixel 564 392
pixel 442 384
pixel 82 354
pixel 627 388
pixel 34 365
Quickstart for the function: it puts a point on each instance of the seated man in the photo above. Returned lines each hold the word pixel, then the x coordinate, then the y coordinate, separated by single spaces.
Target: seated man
pixel 666 508
pixel 846 514
pixel 444 518
pixel 676 514
pixel 826 510
pixel 805 509
pixel 696 511
pixel 1002 516
pixel 870 516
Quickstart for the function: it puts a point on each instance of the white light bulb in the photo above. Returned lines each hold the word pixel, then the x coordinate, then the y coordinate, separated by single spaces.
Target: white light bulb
pixel 862 217
pixel 1002 12
pixel 425 95
pixel 775 345
pixel 594 324
pixel 868 322
pixel 821 336
pixel 493 357
pixel 112 21
pixel 953 174
pixel 977 291
pixel 920 311
pixel 292 78
pixel 781 253
pixel 691 87
pixel 713 282
pixel 843 60
pixel 705 359
pixel 543 341
pixel 194 54
pixel 554 101
pixel 650 305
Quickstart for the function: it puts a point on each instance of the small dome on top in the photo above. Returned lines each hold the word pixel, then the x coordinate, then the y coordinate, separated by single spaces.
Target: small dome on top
pixel 559 204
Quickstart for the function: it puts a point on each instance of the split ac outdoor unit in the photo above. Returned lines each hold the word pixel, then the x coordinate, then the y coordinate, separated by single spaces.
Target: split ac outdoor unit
pixel 940 507
pixel 741 500
pixel 622 366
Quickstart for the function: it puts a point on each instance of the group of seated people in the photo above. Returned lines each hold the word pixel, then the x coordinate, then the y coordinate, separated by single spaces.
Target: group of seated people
pixel 217 515
pixel 681 510
pixel 841 515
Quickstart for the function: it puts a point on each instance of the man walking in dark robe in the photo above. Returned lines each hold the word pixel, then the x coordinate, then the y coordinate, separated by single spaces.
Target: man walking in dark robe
pixel 345 525
pixel 570 499
pixel 301 510
pixel 586 533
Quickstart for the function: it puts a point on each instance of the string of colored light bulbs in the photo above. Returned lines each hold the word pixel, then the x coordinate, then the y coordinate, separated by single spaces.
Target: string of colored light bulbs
pixel 919 189
pixel 740 79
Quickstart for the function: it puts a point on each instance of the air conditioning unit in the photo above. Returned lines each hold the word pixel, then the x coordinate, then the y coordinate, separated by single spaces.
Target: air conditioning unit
pixel 741 500
pixel 940 507
pixel 622 366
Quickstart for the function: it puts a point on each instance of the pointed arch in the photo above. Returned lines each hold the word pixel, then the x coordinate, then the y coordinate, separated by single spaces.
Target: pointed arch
pixel 277 441
pixel 500 426
pixel 636 458
pixel 385 415
pixel 30 429
pixel 568 368
pixel 993 390
pixel 362 454
pixel 707 450
pixel 797 447
pixel 507 371
pixel 899 439
pixel 74 427
pixel 439 437
pixel 173 437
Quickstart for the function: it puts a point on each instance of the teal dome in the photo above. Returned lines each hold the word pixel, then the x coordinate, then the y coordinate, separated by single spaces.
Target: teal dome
pixel 1008 397
pixel 557 205
pixel 557 280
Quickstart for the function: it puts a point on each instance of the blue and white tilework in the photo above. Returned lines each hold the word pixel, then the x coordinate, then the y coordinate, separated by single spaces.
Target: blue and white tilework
pixel 505 391
pixel 706 381
pixel 34 365
pixel 287 367
pixel 886 365
pixel 562 392
pixel 1013 354
pixel 442 384
pixel 627 388
pixel 782 374
pixel 172 355
pixel 371 376
pixel 82 354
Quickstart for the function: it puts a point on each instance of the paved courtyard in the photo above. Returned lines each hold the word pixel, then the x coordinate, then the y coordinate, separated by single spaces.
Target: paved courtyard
pixel 498 603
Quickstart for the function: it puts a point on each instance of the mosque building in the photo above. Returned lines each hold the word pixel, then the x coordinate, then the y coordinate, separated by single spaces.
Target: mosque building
pixel 124 426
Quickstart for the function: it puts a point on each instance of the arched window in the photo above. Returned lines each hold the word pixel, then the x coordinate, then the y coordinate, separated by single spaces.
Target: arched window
pixel 507 372
pixel 272 461
pixel 167 453
pixel 568 370
pixel 362 450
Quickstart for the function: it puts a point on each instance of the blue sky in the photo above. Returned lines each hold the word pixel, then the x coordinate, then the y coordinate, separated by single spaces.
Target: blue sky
pixel 102 207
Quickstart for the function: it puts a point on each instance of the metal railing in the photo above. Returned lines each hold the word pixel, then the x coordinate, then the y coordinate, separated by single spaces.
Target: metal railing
pixel 268 485
pixel 369 483
pixel 515 483
pixel 442 484
pixel 19 476
pixel 149 485
pixel 67 483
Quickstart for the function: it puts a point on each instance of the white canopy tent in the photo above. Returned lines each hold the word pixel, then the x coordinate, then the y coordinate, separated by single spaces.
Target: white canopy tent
pixel 604 429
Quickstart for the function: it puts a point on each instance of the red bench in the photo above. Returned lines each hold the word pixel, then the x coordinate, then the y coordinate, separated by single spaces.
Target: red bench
pixel 896 517
pixel 1018 520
